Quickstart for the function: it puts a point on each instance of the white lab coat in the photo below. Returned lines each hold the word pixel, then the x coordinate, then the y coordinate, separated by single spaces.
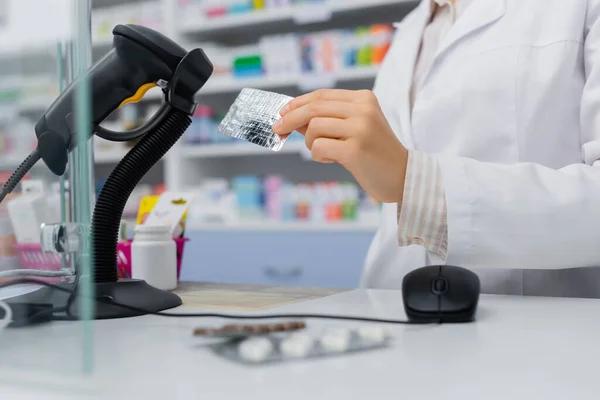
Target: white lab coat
pixel 511 108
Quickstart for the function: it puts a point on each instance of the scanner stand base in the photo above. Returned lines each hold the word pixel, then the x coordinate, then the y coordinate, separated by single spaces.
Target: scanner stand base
pixel 131 292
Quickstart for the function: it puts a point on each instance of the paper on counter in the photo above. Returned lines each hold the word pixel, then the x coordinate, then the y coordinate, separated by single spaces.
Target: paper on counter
pixel 245 297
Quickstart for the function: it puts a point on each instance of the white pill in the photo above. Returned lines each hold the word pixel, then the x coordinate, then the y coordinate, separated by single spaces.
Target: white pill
pixel 255 349
pixel 372 334
pixel 296 346
pixel 336 341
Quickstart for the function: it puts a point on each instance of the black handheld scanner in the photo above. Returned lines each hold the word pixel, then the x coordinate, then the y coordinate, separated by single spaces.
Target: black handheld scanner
pixel 139 60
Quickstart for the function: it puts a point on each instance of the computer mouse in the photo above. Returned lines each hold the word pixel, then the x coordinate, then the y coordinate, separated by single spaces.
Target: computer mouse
pixel 441 293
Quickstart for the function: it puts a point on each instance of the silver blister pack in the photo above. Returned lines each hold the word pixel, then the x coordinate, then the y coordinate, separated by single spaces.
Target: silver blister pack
pixel 251 117
pixel 283 348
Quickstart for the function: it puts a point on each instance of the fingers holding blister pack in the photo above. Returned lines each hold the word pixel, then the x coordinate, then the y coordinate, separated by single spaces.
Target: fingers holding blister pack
pixel 252 116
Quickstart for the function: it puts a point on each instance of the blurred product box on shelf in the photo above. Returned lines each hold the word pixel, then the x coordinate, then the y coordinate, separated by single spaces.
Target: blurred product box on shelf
pixel 17 138
pixel 246 61
pixel 169 209
pixel 193 9
pixel 213 202
pixel 248 193
pixel 280 54
pixel 29 92
pixel 36 206
pixel 239 6
pixel 8 254
pixel 38 89
pixel 149 13
pixel 248 66
pixel 273 198
pixel 10 90
pixel 203 129
pixel 146 205
pixel 222 57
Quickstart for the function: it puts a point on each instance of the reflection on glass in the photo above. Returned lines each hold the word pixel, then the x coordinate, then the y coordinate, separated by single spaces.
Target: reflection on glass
pixel 82 169
pixel 39 56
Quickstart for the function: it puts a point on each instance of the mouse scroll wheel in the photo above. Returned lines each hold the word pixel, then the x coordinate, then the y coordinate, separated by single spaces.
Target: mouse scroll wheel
pixel 439 286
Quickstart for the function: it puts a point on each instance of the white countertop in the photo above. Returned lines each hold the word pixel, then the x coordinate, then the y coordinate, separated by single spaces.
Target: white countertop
pixel 520 348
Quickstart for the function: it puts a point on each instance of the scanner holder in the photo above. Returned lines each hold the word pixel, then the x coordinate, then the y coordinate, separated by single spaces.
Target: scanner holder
pixel 140 59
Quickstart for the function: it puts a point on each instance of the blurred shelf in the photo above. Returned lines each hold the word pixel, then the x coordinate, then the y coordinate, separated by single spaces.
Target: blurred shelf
pixel 302 13
pixel 10 162
pixel 109 157
pixel 35 104
pixel 285 227
pixel 36 49
pixel 238 149
pixel 304 81
pixel 102 43
pixel 218 85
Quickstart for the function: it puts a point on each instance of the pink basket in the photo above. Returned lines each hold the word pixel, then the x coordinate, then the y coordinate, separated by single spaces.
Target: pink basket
pixel 124 257
pixel 31 256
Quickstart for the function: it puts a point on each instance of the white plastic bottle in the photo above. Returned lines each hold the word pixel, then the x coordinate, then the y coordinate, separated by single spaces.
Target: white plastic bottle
pixel 154 256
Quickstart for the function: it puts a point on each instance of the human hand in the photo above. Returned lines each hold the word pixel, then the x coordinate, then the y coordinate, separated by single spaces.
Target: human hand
pixel 348 127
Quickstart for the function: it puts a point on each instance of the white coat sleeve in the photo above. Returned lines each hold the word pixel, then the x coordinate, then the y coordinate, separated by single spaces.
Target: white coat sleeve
pixel 528 216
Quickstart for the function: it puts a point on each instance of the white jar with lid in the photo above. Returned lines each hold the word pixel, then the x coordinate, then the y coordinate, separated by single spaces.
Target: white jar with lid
pixel 154 256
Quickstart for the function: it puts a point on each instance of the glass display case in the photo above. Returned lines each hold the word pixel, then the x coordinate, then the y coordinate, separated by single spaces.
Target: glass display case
pixel 44 222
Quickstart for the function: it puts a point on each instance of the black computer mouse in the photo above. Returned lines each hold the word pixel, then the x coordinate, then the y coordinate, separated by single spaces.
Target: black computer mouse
pixel 441 293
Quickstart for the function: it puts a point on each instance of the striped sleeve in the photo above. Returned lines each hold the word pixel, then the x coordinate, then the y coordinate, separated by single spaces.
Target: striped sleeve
pixel 422 213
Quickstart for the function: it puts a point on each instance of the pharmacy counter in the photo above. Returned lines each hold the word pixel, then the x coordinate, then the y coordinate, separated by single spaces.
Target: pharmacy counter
pixel 520 348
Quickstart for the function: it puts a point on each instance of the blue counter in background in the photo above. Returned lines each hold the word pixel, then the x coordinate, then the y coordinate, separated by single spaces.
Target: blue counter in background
pixel 299 258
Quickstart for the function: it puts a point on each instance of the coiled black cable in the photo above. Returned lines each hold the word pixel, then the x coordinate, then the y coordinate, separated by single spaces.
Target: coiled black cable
pixel 119 185
pixel 20 173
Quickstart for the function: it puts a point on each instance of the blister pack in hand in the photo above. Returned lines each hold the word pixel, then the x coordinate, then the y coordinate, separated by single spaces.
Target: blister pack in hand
pixel 252 116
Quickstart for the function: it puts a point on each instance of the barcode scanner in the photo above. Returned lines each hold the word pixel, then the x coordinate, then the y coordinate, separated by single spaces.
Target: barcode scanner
pixel 139 60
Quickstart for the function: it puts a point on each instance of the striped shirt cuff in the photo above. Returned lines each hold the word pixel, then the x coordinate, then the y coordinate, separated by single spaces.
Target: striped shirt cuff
pixel 422 215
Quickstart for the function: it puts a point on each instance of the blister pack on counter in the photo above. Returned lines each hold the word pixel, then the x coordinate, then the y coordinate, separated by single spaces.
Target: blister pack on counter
pixel 298 346
pixel 252 116
pixel 242 331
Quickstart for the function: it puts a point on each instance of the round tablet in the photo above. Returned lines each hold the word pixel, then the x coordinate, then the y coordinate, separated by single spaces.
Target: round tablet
pixel 336 341
pixel 255 349
pixel 372 334
pixel 296 346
